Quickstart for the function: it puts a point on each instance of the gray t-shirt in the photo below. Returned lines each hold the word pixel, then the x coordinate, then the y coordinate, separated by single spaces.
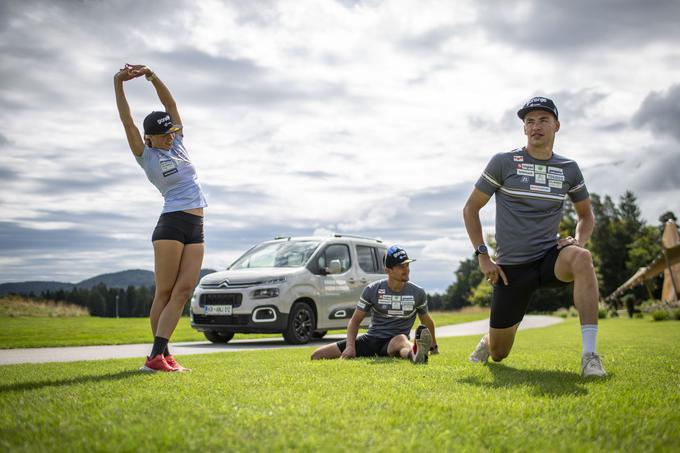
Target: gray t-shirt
pixel 174 176
pixel 530 195
pixel 393 312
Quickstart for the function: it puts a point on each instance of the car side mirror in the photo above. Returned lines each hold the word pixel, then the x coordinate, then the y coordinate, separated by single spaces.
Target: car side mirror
pixel 335 267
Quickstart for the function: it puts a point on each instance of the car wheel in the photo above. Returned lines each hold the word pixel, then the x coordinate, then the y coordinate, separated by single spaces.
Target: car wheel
pixel 219 337
pixel 301 324
pixel 319 334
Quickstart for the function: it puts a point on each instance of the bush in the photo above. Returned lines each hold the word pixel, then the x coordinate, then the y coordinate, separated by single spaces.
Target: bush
pixel 638 315
pixel 602 313
pixel 676 314
pixel 661 315
pixel 562 313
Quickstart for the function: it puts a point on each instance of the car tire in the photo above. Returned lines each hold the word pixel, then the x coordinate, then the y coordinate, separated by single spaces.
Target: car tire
pixel 319 334
pixel 218 337
pixel 301 324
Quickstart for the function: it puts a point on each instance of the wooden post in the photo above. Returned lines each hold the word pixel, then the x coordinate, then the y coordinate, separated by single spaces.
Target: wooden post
pixel 671 275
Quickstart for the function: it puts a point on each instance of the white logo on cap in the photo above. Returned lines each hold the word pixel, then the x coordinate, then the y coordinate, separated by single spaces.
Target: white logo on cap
pixel 165 119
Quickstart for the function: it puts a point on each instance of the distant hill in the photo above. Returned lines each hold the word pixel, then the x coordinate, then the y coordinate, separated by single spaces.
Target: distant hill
pixel 122 279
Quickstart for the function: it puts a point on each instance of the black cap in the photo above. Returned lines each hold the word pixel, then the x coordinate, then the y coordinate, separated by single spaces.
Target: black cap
pixel 395 256
pixel 158 123
pixel 538 103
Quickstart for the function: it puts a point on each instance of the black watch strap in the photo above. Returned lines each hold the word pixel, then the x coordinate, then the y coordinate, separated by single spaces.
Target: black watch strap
pixel 482 250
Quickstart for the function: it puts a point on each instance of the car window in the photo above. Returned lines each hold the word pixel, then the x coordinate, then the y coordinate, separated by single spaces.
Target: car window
pixel 366 258
pixel 277 254
pixel 379 256
pixel 336 252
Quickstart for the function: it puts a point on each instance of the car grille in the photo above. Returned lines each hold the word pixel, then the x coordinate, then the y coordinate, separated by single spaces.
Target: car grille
pixel 234 320
pixel 233 299
pixel 226 284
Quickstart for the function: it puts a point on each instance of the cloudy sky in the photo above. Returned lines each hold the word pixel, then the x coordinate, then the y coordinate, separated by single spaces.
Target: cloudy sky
pixel 312 116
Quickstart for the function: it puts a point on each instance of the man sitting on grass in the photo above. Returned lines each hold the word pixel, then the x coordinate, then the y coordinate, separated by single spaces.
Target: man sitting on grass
pixel 394 302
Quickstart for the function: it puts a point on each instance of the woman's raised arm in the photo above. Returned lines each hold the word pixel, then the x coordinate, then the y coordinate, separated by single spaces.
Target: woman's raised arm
pixel 134 138
pixel 163 92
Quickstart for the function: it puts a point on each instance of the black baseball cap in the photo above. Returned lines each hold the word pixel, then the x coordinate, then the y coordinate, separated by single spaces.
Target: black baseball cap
pixel 538 103
pixel 158 123
pixel 396 255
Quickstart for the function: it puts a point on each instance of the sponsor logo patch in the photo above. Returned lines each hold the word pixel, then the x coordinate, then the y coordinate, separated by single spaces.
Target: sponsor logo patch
pixel 557 170
pixel 395 312
pixel 518 158
pixel 521 171
pixel 540 178
pixel 555 177
pixel 555 184
pixel 525 179
pixel 534 188
pixel 526 166
pixel 540 168
pixel 168 167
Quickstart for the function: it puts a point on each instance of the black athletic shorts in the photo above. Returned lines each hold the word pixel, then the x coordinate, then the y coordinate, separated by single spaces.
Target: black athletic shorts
pixel 509 303
pixel 179 226
pixel 368 346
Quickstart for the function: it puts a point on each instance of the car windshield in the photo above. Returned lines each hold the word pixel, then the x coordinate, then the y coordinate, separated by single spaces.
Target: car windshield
pixel 277 254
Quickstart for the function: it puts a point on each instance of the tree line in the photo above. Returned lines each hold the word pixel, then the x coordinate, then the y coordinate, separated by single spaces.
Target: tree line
pixel 133 302
pixel 621 243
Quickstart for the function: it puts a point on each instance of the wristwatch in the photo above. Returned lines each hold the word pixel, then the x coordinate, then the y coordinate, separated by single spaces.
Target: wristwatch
pixel 481 250
pixel 150 77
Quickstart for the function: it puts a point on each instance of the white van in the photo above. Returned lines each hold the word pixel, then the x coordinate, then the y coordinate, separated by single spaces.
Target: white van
pixel 300 287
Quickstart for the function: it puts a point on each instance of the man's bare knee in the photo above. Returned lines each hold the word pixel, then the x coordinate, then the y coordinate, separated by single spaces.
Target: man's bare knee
pixel 497 357
pixel 326 352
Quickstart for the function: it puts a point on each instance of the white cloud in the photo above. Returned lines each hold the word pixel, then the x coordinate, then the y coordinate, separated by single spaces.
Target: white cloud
pixel 307 117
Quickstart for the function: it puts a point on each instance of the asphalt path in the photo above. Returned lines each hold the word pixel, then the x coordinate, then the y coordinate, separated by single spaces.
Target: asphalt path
pixel 77 353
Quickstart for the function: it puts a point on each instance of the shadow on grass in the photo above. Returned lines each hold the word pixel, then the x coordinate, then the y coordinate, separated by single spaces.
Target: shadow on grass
pixel 72 381
pixel 543 382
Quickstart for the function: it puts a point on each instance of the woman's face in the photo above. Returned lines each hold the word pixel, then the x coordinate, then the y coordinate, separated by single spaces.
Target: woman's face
pixel 162 141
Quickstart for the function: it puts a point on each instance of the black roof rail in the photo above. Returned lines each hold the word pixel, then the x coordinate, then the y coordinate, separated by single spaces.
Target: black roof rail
pixel 281 237
pixel 357 237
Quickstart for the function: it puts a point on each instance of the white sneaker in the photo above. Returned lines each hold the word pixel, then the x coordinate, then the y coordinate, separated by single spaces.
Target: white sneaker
pixel 481 352
pixel 423 342
pixel 591 365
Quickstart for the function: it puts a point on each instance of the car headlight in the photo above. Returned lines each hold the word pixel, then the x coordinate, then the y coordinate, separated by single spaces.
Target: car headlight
pixel 265 293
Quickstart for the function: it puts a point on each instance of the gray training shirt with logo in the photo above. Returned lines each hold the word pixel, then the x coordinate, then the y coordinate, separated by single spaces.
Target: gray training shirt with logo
pixel 393 313
pixel 530 195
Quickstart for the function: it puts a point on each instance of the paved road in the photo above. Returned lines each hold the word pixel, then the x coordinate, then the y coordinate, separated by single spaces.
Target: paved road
pixel 76 353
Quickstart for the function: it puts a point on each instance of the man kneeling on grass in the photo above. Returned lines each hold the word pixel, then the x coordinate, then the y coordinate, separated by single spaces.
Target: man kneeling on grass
pixel 394 302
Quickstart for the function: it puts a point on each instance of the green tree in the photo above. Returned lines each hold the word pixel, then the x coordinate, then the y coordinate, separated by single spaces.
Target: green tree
pixel 481 294
pixel 468 276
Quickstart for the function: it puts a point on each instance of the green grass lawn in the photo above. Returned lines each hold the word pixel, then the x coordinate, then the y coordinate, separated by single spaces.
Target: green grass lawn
pixel 280 400
pixel 33 332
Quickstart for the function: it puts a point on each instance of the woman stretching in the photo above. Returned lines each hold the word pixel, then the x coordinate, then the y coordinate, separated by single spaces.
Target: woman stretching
pixel 178 236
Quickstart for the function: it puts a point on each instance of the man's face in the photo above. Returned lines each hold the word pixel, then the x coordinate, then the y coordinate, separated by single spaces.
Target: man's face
pixel 540 127
pixel 400 272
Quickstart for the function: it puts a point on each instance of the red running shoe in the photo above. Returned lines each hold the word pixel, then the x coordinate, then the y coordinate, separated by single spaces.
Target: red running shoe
pixel 156 363
pixel 174 365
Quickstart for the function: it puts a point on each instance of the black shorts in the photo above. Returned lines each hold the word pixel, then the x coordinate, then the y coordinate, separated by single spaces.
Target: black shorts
pixel 368 346
pixel 179 226
pixel 509 303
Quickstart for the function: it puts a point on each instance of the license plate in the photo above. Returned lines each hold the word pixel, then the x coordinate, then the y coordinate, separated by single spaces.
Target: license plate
pixel 217 310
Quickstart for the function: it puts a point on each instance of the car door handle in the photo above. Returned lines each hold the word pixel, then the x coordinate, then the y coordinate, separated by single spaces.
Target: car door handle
pixel 363 280
pixel 351 281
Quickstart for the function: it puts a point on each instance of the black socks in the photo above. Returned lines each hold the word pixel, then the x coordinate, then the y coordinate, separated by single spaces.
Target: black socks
pixel 160 345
